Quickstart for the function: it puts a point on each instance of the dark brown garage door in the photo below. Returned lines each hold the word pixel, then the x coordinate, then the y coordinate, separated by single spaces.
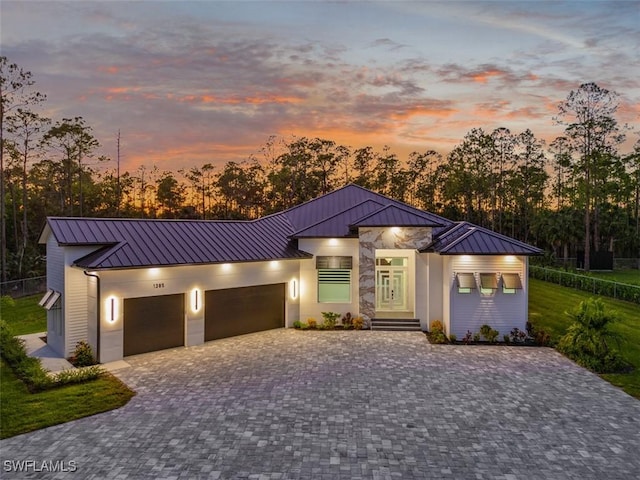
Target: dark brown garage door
pixel 153 323
pixel 235 311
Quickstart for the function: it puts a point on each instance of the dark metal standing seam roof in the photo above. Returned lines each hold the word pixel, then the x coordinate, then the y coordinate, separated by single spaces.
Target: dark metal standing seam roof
pixel 468 239
pixel 338 224
pixel 319 209
pixel 395 215
pixel 130 243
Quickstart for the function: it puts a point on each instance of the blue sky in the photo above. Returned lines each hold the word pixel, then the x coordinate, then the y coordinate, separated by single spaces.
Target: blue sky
pixel 195 82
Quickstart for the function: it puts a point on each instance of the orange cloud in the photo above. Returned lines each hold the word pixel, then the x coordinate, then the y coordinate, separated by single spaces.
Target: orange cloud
pixel 422 111
pixel 482 77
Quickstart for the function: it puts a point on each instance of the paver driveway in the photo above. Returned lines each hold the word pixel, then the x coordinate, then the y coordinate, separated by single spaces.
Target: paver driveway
pixel 329 405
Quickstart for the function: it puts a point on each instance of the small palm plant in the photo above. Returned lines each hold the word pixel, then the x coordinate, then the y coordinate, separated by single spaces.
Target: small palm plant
pixel 589 340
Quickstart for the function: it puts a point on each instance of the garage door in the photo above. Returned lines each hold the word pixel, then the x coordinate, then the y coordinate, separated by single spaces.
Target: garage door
pixel 153 323
pixel 236 311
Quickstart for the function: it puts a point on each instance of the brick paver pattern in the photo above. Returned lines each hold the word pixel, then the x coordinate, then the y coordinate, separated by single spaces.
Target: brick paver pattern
pixel 290 404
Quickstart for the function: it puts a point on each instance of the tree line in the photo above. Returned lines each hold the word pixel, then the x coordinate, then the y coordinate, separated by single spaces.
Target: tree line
pixel 578 192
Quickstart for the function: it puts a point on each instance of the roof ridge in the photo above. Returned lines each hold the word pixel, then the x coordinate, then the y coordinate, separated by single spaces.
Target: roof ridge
pixel 335 215
pixel 101 257
pixel 472 229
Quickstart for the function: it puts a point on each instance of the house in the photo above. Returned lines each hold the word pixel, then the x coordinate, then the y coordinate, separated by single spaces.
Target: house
pixel 130 286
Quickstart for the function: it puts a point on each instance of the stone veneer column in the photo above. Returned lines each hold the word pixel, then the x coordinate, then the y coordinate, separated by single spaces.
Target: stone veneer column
pixel 368 238
pixel 373 238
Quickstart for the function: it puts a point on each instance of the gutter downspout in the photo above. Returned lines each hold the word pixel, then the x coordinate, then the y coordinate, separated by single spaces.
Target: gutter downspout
pixel 98 308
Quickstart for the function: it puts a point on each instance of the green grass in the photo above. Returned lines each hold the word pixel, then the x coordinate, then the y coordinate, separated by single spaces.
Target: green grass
pixel 547 306
pixel 26 316
pixel 631 277
pixel 21 411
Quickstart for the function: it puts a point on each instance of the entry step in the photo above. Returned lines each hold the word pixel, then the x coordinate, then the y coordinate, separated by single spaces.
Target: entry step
pixel 396 324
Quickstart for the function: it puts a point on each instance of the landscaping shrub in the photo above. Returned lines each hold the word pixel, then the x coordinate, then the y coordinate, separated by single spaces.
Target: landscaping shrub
pixel 488 333
pixel 453 338
pixel 297 324
pixel 330 318
pixel 358 323
pixel 78 375
pixel 83 355
pixel 589 341
pixel 468 337
pixel 312 323
pixel 29 369
pixel 347 321
pixel 436 334
pixel 519 336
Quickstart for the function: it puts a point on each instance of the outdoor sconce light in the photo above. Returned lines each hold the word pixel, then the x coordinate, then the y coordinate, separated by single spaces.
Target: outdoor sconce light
pixel 196 301
pixel 293 289
pixel 112 309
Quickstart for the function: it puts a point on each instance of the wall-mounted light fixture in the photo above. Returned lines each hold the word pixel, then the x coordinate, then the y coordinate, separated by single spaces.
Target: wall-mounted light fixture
pixel 293 288
pixel 510 258
pixel 274 264
pixel 395 230
pixel 333 242
pixel 226 267
pixel 112 309
pixel 465 258
pixel 196 300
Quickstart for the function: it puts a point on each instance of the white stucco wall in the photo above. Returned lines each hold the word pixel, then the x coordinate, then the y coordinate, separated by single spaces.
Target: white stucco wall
pixel 469 311
pixel 435 306
pixel 309 306
pixel 148 282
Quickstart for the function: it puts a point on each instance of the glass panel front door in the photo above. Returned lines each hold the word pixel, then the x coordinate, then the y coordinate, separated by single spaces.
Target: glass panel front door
pixel 391 284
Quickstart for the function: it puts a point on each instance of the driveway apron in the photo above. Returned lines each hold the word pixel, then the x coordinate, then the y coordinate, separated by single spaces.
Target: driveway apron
pixel 288 404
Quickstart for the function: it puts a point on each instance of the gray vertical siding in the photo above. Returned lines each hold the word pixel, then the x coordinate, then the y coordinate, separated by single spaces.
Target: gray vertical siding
pixel 469 311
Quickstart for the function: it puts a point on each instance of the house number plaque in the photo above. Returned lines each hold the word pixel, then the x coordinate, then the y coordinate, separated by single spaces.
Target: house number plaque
pixel 158 285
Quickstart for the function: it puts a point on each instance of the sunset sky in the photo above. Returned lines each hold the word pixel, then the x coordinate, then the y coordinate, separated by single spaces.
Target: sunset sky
pixel 194 82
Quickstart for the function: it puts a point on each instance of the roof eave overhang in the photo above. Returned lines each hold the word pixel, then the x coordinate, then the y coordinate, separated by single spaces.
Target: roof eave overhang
pixel 401 225
pixel 96 268
pixel 489 254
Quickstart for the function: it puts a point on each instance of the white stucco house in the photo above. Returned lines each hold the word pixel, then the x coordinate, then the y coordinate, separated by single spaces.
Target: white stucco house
pixel 129 286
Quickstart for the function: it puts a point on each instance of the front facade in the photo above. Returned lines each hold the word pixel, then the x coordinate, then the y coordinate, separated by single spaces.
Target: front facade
pixel 133 286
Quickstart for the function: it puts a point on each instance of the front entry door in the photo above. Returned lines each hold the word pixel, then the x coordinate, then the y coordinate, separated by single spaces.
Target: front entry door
pixel 391 284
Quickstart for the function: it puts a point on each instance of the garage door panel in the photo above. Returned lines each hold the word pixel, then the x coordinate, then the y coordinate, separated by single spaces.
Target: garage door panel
pixel 153 323
pixel 236 311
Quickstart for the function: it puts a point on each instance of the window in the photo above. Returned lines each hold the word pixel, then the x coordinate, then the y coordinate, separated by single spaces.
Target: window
pixel 511 283
pixel 334 262
pixel 334 279
pixel 334 285
pixel 488 283
pixel 466 282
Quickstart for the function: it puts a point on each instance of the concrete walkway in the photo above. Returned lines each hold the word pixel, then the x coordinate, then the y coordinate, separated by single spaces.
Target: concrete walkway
pixel 50 360
pixel 288 404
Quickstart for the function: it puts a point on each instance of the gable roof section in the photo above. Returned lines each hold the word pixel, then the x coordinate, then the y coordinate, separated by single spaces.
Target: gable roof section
pixel 399 216
pixel 338 224
pixel 319 209
pixel 131 243
pixel 467 239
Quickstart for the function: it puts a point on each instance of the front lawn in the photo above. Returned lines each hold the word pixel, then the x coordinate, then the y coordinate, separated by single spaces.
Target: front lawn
pixel 25 316
pixel 21 411
pixel 630 276
pixel 547 306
